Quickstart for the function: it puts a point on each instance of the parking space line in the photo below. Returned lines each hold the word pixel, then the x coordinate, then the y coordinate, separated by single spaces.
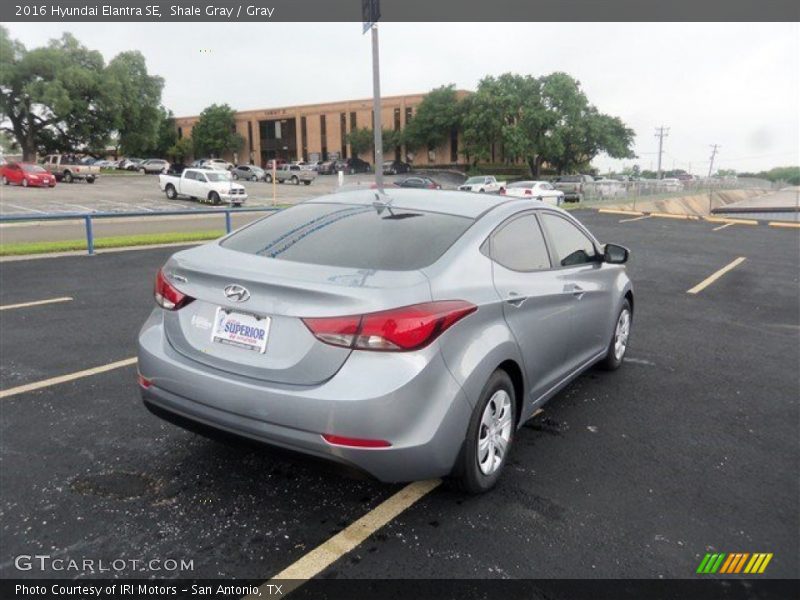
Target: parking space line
pixel 324 555
pixel 25 208
pixel 723 226
pixel 36 303
pixel 636 219
pixel 614 211
pixel 30 387
pixel 712 278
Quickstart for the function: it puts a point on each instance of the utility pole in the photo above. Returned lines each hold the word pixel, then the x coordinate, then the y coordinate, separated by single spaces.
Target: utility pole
pixel 714 148
pixel 661 133
pixel 371 12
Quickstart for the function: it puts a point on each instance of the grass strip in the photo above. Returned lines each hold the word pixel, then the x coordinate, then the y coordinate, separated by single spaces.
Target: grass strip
pixel 122 241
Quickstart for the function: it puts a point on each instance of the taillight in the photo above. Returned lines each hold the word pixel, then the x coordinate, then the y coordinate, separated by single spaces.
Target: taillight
pixel 167 296
pixel 338 440
pixel 529 192
pixel 143 381
pixel 502 191
pixel 399 329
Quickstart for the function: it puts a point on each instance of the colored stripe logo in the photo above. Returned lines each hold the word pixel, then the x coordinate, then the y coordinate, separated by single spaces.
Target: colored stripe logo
pixel 734 563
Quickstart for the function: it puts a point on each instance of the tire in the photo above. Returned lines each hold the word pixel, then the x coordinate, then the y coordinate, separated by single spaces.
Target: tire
pixel 307 183
pixel 170 192
pixel 67 177
pixel 352 171
pixel 24 182
pixel 295 180
pixel 482 191
pixel 468 475
pixel 214 198
pixel 615 354
pixel 143 171
pixel 254 179
pixel 234 176
pixel 3 180
pixel 268 178
pixel 90 180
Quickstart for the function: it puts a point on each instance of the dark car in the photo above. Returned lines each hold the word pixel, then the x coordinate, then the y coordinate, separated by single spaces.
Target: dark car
pixel 328 167
pixel 395 167
pixel 419 183
pixel 356 165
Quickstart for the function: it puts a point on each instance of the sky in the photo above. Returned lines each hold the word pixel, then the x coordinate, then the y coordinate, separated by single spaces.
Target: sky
pixel 732 84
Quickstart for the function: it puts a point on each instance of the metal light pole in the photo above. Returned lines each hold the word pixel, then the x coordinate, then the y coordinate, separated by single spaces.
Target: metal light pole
pixel 376 108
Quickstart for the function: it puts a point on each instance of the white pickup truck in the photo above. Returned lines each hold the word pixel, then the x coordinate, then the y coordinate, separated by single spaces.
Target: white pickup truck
pixel 205 185
pixel 482 183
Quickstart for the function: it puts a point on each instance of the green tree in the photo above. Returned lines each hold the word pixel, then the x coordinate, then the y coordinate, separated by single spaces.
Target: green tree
pixel 180 150
pixel 215 132
pixel 435 118
pixel 166 135
pixel 361 140
pixel 139 114
pixel 57 97
pixel 392 138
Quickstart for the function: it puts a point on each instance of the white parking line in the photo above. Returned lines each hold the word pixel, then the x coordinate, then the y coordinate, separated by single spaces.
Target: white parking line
pixel 30 387
pixel 324 555
pixel 24 208
pixel 635 219
pixel 712 278
pixel 35 303
pixel 723 226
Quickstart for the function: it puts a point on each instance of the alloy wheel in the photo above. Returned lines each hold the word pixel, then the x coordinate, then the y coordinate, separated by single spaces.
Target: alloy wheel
pixel 621 334
pixel 494 434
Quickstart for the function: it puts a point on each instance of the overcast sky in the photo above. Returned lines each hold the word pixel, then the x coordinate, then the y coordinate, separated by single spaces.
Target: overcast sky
pixel 737 85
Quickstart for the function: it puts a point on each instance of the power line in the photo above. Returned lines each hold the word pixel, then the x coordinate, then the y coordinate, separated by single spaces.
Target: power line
pixel 714 148
pixel 661 133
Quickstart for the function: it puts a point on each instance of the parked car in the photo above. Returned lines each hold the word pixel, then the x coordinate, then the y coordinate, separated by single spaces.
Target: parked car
pixel 356 165
pixel 538 190
pixel 481 184
pixel 206 185
pixel 218 164
pixel 314 166
pixel 418 182
pixel 248 173
pixel 132 164
pixel 573 186
pixel 153 165
pixel 331 167
pixel 26 174
pixel 68 168
pixel 670 184
pixel 396 167
pixel 417 359
pixel 293 174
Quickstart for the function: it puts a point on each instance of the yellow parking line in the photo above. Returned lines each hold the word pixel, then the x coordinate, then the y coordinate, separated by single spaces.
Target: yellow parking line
pixel 675 216
pixel 349 538
pixel 784 224
pixel 723 226
pixel 731 221
pixel 636 219
pixel 614 211
pixel 712 278
pixel 29 387
pixel 35 303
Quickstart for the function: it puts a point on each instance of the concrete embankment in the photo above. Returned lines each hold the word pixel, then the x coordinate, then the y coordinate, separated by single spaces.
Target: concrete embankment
pixel 694 204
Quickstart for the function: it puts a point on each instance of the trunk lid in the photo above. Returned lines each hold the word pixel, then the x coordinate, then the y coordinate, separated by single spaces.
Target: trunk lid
pixel 284 292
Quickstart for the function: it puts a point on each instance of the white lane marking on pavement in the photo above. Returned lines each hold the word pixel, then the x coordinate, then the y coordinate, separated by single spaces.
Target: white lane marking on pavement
pixel 639 361
pixel 25 208
pixel 29 387
pixel 350 537
pixel 636 219
pixel 35 303
pixel 723 226
pixel 713 277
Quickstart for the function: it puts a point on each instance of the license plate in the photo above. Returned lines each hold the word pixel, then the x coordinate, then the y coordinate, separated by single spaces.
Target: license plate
pixel 241 330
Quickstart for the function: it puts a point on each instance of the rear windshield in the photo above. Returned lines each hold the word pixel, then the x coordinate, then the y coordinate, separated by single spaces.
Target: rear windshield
pixel 570 179
pixel 353 236
pixel 522 184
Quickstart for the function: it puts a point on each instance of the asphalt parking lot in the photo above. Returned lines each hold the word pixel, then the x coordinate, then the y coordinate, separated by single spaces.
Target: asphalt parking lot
pixel 692 447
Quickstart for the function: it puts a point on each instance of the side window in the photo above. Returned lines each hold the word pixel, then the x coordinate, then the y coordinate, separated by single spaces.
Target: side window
pixel 190 175
pixel 519 245
pixel 570 244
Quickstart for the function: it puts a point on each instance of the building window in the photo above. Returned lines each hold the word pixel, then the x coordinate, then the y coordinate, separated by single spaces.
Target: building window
pixel 397 119
pixel 304 137
pixel 343 133
pixel 353 121
pixel 180 132
pixel 454 145
pixel 250 135
pixel 409 114
pixel 323 137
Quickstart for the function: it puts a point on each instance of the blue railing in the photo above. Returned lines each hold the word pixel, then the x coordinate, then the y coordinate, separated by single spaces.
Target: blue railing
pixel 87 218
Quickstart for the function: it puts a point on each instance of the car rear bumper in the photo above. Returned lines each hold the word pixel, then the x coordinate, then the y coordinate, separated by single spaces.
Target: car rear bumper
pixel 233 198
pixel 409 400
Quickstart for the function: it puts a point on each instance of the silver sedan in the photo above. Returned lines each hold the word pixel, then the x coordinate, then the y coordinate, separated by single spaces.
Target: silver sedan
pixel 407 333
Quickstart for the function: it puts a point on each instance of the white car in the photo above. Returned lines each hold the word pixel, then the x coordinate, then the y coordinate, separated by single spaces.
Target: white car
pixel 482 183
pixel 670 184
pixel 213 163
pixel 206 185
pixel 537 190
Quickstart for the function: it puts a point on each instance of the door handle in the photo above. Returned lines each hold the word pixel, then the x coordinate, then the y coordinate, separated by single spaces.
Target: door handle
pixel 575 290
pixel 515 300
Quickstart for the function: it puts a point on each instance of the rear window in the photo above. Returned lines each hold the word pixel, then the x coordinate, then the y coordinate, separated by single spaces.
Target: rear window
pixel 570 179
pixel 353 236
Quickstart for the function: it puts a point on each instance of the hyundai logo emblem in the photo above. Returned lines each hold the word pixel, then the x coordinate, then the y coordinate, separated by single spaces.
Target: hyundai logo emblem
pixel 236 293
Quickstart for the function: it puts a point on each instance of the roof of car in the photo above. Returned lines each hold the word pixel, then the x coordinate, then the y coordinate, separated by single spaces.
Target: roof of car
pixel 451 202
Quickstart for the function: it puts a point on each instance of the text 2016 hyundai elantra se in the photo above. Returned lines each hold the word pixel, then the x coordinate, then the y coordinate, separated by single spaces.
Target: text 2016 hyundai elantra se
pixel 408 334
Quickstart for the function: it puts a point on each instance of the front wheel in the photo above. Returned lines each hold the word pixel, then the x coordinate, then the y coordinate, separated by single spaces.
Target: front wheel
pixel 295 180
pixel 214 198
pixel 24 183
pixel 234 176
pixel 489 437
pixel 307 182
pixel 67 177
pixel 90 180
pixel 143 172
pixel 619 340
pixel 3 180
pixel 268 178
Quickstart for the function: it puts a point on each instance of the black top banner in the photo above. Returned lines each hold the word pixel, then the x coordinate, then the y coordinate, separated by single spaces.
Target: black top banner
pixel 399 10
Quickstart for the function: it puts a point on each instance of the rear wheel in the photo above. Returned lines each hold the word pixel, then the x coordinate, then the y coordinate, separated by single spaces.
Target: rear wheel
pixel 619 340
pixel 268 178
pixel 234 176
pixel 90 180
pixel 295 180
pixel 24 182
pixel 3 180
pixel 489 437
pixel 67 177
pixel 307 182
pixel 171 192
pixel 143 171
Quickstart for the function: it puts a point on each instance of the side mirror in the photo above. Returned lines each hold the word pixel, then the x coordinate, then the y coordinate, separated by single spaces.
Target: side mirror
pixel 615 254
